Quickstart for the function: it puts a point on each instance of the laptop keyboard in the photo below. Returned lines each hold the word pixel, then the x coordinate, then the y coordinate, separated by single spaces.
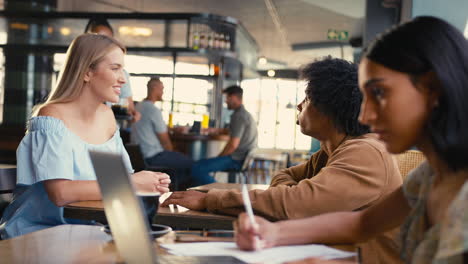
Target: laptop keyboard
pixel 198 260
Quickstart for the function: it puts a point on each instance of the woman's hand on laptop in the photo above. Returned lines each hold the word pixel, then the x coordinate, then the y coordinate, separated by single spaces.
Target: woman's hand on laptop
pixel 149 181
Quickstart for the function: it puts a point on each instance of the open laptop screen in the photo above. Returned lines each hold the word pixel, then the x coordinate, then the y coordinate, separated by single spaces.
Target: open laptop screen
pixel 126 218
pixel 124 211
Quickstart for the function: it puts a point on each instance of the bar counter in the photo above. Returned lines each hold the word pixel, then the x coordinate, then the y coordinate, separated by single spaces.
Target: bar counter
pixel 199 145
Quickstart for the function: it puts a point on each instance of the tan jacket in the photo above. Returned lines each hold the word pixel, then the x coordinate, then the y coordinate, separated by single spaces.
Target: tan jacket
pixel 358 174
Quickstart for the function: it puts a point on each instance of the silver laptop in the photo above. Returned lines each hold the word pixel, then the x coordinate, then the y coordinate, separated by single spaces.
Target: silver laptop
pixel 124 213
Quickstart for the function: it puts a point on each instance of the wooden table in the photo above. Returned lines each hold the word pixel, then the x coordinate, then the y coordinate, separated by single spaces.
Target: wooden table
pixel 176 217
pixel 71 244
pixel 7 166
pixel 62 244
pixel 228 186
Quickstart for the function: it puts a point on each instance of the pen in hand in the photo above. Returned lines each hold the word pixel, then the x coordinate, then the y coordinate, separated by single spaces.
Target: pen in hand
pixel 250 214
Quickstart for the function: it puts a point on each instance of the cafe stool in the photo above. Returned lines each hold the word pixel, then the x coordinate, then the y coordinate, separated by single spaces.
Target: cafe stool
pixel 233 175
pixel 139 164
pixel 240 176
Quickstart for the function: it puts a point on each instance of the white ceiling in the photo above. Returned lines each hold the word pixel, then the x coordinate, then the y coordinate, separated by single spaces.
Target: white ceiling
pixel 351 8
pixel 302 21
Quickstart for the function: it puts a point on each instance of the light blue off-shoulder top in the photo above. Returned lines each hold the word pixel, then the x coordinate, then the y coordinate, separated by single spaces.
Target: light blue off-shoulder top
pixel 49 151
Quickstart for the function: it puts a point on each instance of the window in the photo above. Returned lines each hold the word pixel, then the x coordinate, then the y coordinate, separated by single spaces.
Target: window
pixel 187 97
pixel 273 103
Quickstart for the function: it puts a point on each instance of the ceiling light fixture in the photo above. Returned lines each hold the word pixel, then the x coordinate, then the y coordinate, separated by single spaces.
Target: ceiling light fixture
pixel 262 60
pixel 135 31
pixel 65 31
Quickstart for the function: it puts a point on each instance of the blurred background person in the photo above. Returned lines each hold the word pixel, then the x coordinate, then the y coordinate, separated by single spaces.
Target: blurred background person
pixel 151 134
pixel 242 139
pixel 102 27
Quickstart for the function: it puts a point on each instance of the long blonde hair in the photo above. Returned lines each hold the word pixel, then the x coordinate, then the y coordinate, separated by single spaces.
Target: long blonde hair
pixel 84 53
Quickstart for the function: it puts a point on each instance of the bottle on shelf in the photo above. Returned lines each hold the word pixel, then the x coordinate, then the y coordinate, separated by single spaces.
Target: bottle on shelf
pixel 210 40
pixel 204 37
pixel 195 39
pixel 216 41
pixel 222 45
pixel 227 42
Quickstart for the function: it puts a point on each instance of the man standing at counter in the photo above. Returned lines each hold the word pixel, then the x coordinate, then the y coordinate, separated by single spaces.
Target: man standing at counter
pixel 151 134
pixel 243 138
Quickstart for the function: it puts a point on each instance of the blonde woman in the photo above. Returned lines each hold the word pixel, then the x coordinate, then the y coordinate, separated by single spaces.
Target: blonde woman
pixel 53 167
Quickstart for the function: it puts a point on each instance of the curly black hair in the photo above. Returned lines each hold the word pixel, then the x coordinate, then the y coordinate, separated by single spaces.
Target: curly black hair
pixel 332 87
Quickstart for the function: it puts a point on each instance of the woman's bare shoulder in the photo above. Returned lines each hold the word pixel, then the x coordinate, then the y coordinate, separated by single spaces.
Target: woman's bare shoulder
pixel 53 110
pixel 107 117
pixel 105 111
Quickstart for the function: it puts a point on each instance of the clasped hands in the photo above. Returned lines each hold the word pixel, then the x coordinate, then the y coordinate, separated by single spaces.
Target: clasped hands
pixel 150 181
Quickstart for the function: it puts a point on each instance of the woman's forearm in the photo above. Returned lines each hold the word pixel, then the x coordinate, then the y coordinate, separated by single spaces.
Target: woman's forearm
pixel 346 227
pixel 62 192
pixel 331 228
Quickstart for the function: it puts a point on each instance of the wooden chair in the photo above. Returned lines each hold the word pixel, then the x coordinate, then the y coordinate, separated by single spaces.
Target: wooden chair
pixel 409 160
pixel 9 142
pixel 7 178
pixel 7 185
pixel 263 166
pixel 139 164
pixel 136 157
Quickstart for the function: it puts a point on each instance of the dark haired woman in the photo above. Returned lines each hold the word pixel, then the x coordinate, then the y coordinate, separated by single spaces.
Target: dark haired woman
pixel 415 84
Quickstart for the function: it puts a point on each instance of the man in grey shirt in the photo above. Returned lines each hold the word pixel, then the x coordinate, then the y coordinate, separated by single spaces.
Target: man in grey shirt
pixel 151 134
pixel 243 138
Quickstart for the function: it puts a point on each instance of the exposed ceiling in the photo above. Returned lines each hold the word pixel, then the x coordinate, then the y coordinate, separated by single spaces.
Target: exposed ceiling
pixel 275 24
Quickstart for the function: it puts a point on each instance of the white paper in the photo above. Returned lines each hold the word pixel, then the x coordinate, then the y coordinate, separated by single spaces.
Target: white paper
pixel 271 255
pixel 177 208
